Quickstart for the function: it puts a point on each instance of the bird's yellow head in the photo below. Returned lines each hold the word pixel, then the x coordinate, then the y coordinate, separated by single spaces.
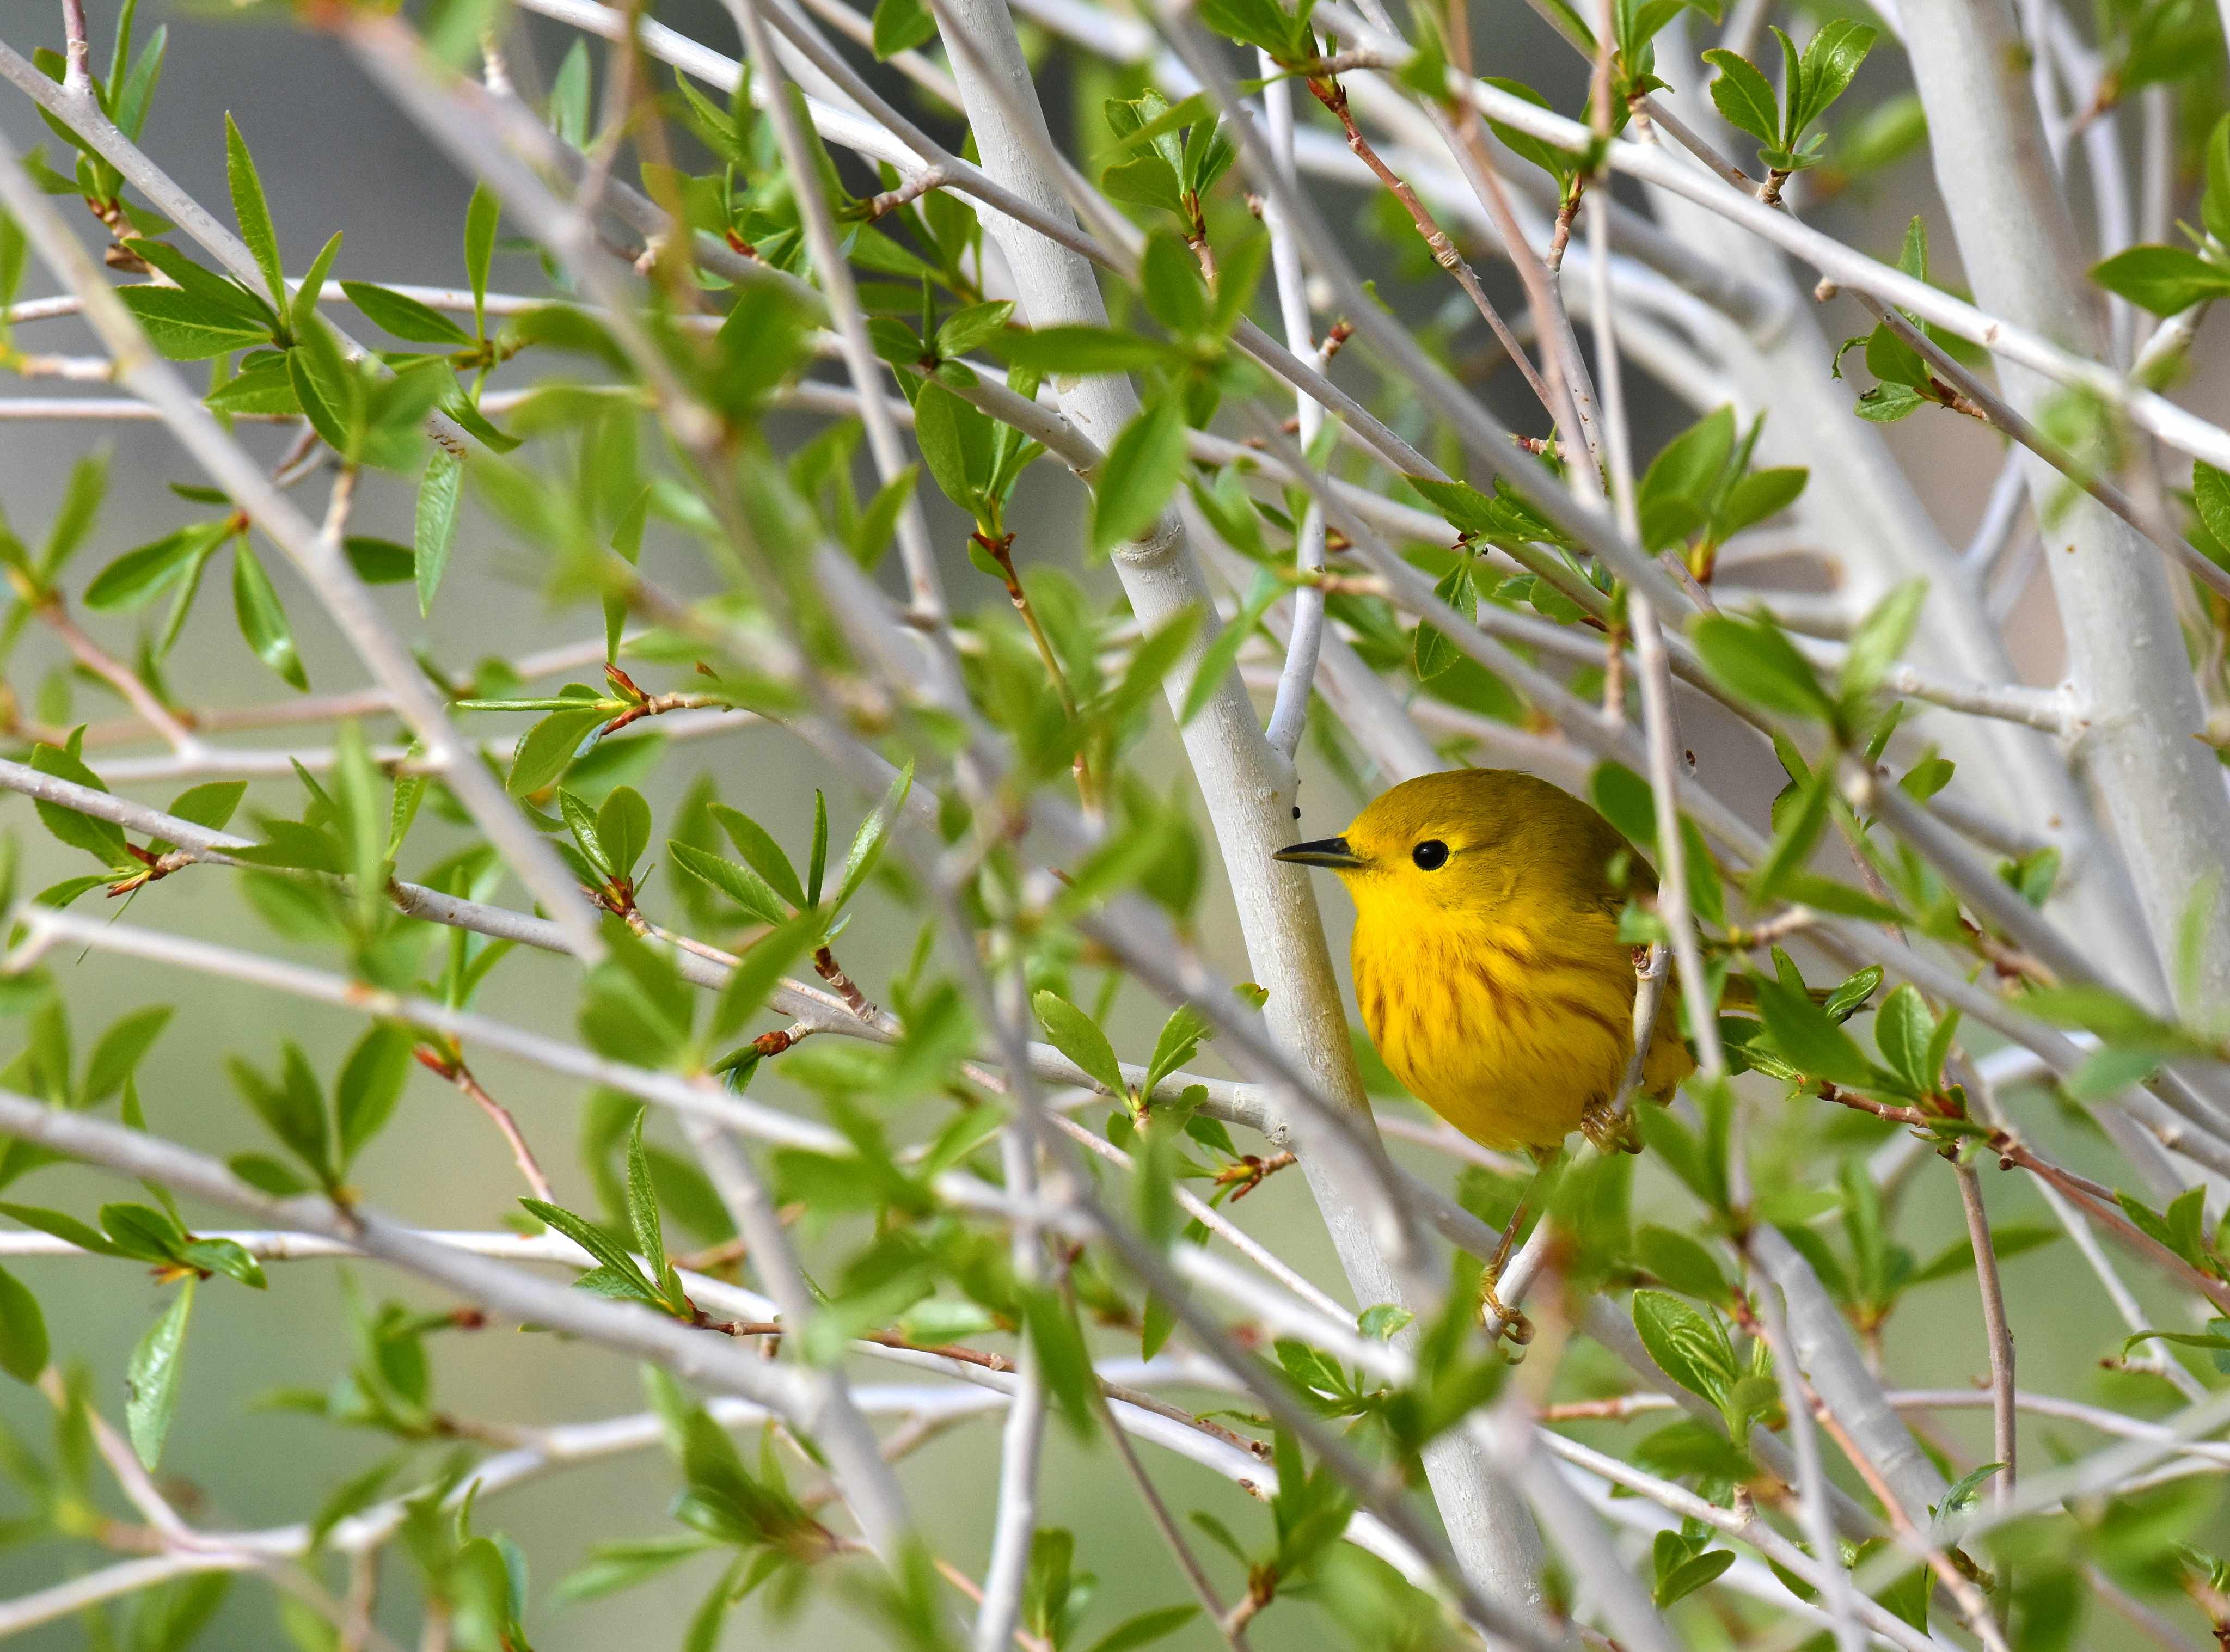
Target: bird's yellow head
pixel 1471 840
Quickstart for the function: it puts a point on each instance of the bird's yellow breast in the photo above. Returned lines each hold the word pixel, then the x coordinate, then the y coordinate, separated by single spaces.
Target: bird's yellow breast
pixel 1507 1023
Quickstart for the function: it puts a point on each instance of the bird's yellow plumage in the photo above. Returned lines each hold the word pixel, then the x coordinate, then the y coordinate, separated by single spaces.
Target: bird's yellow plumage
pixel 1486 957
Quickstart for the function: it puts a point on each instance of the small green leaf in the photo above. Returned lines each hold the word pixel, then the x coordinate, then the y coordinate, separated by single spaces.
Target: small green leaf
pixel 369 1085
pixel 1753 659
pixel 482 218
pixel 547 748
pixel 623 830
pixel 1744 96
pixel 303 314
pixel 902 25
pixel 2164 279
pixel 1076 1036
pixel 254 214
pixel 875 831
pixel 141 574
pixel 760 852
pixel 23 1331
pixel 643 1201
pixel 101 838
pixel 1879 640
pixel 151 1382
pixel 1689 1345
pixel 406 317
pixel 380 562
pixel 1140 473
pixel 739 883
pixel 263 620
pixel 121 1050
pixel 1145 1628
pixel 762 970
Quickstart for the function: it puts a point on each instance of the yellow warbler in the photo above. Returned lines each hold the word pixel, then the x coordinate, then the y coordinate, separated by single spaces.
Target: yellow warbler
pixel 1486 957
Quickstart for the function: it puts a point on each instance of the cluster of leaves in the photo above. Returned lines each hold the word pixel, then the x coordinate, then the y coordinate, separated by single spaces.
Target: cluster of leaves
pixel 1701 490
pixel 1811 82
pixel 1905 380
pixel 124 94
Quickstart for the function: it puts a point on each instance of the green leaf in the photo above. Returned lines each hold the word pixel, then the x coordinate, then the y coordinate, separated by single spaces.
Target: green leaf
pixel 226 1257
pixel 441 490
pixel 2164 279
pixel 1082 350
pixel 1147 181
pixel 1213 666
pixel 222 291
pixel 1904 1032
pixel 1181 1036
pixel 143 1232
pixel 482 218
pixel 145 572
pixel 593 1239
pixel 81 498
pixel 1881 639
pixel 1076 1036
pixel 1170 277
pixel 760 852
pixel 186 327
pixel 1753 660
pixel 151 1382
pixel 23 1331
pixel 739 883
pixel 955 445
pixel 380 562
pixel 643 1201
pixel 121 1050
pixel 762 969
pixel 623 829
pixel 1140 473
pixel 1756 497
pixel 254 214
pixel 294 1107
pixel 816 862
pixel 1682 1263
pixel 1965 1491
pixel 263 620
pixel 2214 205
pixel 2210 495
pixel 1676 492
pixel 875 831
pixel 406 317
pixel 1687 1577
pixel 267 1174
pixel 1744 96
pixel 303 315
pixel 369 1085
pixel 1145 1628
pixel 902 25
pixel 1689 1346
pixel 547 748
pixel 1809 1040
pixel 1831 58
pixel 100 838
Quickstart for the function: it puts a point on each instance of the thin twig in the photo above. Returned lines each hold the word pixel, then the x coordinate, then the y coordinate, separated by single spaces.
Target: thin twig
pixel 1995 1327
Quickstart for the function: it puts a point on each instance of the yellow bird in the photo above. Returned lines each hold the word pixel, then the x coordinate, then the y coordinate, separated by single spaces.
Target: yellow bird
pixel 1486 957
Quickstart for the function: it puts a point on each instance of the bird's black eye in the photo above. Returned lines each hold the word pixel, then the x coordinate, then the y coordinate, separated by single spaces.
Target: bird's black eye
pixel 1430 855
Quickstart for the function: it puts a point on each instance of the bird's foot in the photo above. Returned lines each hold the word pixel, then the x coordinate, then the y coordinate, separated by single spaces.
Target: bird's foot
pixel 1500 1322
pixel 1610 1127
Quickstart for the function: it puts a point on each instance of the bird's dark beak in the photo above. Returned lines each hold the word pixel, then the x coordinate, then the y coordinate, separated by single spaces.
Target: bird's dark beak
pixel 1325 852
